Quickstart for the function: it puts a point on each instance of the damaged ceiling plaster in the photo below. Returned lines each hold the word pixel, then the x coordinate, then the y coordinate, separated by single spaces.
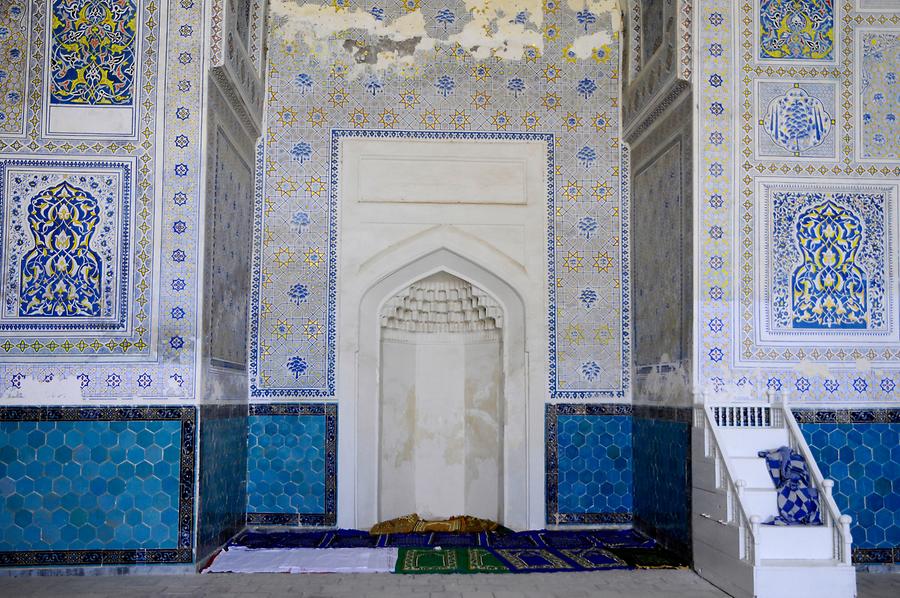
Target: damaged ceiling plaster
pixel 498 28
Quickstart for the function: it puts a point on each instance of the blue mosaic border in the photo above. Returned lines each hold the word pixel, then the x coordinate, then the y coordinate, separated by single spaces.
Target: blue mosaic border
pixel 329 517
pixel 847 416
pixel 124 240
pixel 551 463
pixel 872 556
pixel 331 328
pixel 184 552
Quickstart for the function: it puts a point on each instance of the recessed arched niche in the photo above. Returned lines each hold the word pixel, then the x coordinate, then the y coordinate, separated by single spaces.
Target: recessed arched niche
pixel 441 420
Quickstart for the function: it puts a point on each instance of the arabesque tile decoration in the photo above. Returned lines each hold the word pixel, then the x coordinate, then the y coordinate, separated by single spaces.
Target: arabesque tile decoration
pixel 773 185
pixel 15 28
pixel 93 52
pixel 316 84
pixel 126 330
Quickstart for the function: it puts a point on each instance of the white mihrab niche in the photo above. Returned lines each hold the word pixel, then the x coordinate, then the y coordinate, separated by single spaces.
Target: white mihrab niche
pixel 474 213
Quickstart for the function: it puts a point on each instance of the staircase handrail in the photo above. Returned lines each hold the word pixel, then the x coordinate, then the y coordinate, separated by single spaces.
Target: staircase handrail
pixel 725 480
pixel 831 515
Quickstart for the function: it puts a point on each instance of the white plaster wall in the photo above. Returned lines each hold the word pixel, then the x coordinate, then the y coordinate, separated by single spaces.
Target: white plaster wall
pixel 484 429
pixel 440 428
pixel 441 452
pixel 398 425
pixel 499 247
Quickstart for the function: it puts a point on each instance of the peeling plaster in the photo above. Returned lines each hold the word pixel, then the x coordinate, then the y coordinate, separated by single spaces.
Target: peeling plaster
pixel 326 31
pixel 60 390
pixel 669 383
pixel 809 368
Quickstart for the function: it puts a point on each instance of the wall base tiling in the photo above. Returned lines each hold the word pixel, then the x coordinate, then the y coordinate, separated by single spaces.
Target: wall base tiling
pixel 662 482
pixel 96 485
pixel 292 464
pixel 222 494
pixel 860 451
pixel 588 464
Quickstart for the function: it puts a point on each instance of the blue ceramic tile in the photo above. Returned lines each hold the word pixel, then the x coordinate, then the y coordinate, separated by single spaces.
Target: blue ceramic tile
pixel 223 475
pixel 863 459
pixel 89 485
pixel 662 481
pixel 291 464
pixel 591 464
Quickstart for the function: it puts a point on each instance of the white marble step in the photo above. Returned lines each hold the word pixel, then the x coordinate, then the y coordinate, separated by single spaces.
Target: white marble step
pixel 804 579
pixel 796 542
pixel 747 442
pixel 762 502
pixel 753 471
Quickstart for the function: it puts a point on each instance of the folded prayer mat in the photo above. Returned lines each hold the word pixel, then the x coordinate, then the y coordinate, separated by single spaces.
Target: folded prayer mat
pixel 798 501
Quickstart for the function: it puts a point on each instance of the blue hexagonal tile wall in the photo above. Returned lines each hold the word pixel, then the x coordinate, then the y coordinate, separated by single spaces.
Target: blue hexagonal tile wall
pixel 292 464
pixel 588 463
pixel 862 456
pixel 96 486
pixel 662 491
pixel 222 495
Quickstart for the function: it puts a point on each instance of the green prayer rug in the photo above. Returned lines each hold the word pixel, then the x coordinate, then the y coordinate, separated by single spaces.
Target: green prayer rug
pixel 480 560
pixel 451 560
pixel 649 558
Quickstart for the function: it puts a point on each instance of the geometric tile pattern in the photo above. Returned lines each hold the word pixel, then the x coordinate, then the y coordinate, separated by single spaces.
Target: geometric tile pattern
pixel 736 235
pixel 863 459
pixel 662 480
pixel 317 85
pixel 222 493
pixel 588 463
pixel 556 335
pixel 15 32
pixel 292 464
pixel 96 486
pixel 165 153
pixel 228 237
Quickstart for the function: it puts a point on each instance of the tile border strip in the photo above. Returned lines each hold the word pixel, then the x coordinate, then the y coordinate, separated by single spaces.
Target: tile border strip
pixel 847 416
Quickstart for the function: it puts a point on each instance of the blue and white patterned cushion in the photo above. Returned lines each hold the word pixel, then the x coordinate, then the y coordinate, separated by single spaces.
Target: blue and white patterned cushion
pixel 798 502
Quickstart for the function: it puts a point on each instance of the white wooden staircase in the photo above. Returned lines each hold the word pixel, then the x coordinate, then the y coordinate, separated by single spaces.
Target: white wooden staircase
pixel 733 495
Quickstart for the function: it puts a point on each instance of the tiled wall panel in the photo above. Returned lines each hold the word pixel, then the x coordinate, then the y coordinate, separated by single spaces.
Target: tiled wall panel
pixel 797 132
pixel 222 494
pixel 126 155
pixel 535 81
pixel 662 480
pixel 588 464
pixel 860 451
pixel 292 464
pixel 91 486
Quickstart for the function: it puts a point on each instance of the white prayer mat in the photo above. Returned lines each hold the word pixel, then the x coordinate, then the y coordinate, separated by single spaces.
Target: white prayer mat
pixel 239 559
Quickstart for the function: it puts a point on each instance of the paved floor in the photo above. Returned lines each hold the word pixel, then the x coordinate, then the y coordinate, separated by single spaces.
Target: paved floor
pixel 619 584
